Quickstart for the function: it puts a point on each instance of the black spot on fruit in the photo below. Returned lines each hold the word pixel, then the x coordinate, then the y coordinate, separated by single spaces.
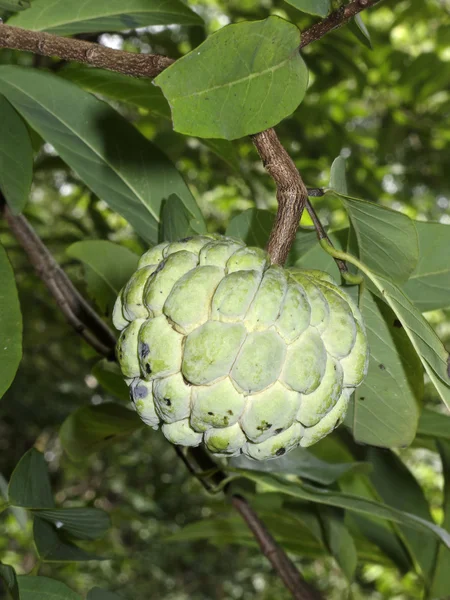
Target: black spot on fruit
pixel 230 412
pixel 210 413
pixel 279 430
pixel 397 323
pixel 381 367
pixel 280 451
pixel 139 392
pixel 148 369
pixel 144 350
pixel 167 401
pixel 187 239
pixel 362 398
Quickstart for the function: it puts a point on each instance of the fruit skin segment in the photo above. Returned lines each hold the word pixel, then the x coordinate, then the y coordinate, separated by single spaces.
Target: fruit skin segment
pixel 223 349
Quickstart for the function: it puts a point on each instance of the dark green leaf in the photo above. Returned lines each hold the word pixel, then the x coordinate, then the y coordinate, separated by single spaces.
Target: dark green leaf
pixel 9 578
pixel 313 7
pixel 434 424
pixel 99 594
pixel 53 546
pixel 387 404
pixel 14 5
pixel 339 542
pixel 304 464
pixel 440 587
pixel 81 523
pixel 109 376
pixel 387 239
pixel 354 503
pixel 68 18
pixel 43 588
pixel 29 485
pixel 253 226
pixel 177 222
pixel 20 514
pixel 360 31
pixel 338 180
pixel 10 324
pixel 123 168
pixel 91 428
pixel 429 285
pixel 243 79
pixel 109 268
pixel 16 158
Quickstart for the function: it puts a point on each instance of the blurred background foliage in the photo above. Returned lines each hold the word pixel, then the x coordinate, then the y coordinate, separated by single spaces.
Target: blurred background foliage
pixel 387 112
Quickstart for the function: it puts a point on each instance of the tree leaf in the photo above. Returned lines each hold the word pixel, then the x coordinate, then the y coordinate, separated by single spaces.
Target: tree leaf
pixel 313 7
pixel 110 266
pixel 98 594
pixel 14 5
pixel 123 168
pixel 9 578
pixel 29 485
pixel 44 588
pixel 397 487
pixel 387 404
pixel 372 508
pixel 253 226
pixel 338 180
pixel 91 428
pixel 69 18
pixel 10 324
pixel 387 239
pixel 339 541
pixel 52 545
pixel 304 464
pixel 360 31
pixel 109 376
pixel 16 158
pixel 142 94
pixel 307 253
pixel 429 285
pixel 243 79
pixel 440 587
pixel 434 424
pixel 177 222
pixel 81 523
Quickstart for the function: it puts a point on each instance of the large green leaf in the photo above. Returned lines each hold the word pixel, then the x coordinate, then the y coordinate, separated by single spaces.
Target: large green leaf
pixel 387 239
pixel 91 428
pixel 109 267
pixel 253 226
pixel 9 578
pixel 29 485
pixel 16 158
pixel 123 168
pixel 44 588
pixel 339 541
pixel 10 324
pixel 81 523
pixel 68 18
pixel 434 424
pixel 313 7
pixel 53 546
pixel 429 285
pixel 387 404
pixel 14 5
pixel 303 491
pixel 397 487
pixel 142 94
pixel 243 79
pixel 177 222
pixel 440 587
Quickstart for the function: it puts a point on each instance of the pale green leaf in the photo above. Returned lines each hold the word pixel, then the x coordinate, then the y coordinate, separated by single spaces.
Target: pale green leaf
pixel 429 285
pixel 10 324
pixel 29 485
pixel 16 158
pixel 44 588
pixel 91 428
pixel 243 79
pixel 253 226
pixel 338 180
pixel 109 268
pixel 69 18
pixel 123 168
pixel 387 403
pixel 434 424
pixel 313 7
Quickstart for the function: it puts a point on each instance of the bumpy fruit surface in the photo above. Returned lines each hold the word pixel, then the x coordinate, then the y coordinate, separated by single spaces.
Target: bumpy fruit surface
pixel 221 348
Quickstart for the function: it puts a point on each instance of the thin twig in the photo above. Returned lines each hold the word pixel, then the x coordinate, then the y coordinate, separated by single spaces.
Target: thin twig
pixel 322 234
pixel 94 55
pixel 77 311
pixel 336 19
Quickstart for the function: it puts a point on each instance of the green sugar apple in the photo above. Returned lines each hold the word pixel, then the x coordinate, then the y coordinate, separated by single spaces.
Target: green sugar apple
pixel 220 347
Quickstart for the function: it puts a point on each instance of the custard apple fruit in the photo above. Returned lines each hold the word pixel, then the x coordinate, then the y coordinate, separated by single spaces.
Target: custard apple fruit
pixel 220 347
